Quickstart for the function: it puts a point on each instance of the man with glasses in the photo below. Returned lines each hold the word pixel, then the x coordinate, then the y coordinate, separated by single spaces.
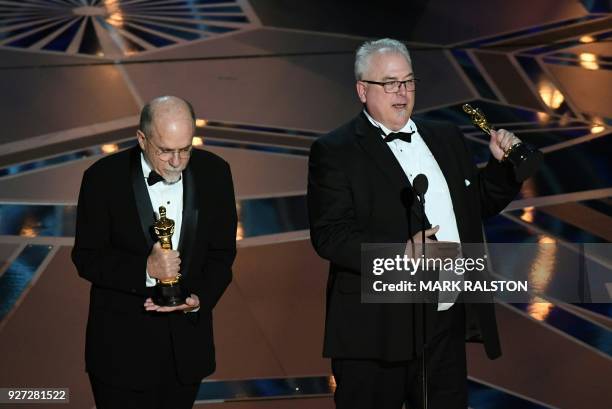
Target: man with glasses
pixel 139 354
pixel 359 177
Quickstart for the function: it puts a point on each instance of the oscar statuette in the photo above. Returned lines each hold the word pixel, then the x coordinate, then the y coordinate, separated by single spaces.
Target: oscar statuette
pixel 524 158
pixel 167 293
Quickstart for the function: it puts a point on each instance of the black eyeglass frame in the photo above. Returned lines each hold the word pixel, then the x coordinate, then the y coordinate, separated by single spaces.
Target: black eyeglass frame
pixel 396 83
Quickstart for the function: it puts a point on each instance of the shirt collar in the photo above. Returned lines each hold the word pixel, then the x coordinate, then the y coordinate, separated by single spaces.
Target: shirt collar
pixel 146 169
pixel 410 126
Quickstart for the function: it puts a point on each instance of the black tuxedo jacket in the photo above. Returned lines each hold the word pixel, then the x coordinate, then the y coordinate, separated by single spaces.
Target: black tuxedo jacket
pixel 357 194
pixel 124 343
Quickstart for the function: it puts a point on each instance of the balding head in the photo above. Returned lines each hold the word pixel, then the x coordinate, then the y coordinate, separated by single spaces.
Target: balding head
pixel 161 109
pixel 167 126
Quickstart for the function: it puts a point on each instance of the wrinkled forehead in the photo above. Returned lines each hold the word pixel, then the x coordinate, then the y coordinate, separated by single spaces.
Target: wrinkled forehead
pixel 172 131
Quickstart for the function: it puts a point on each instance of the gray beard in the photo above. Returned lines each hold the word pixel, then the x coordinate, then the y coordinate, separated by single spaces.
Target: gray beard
pixel 173 179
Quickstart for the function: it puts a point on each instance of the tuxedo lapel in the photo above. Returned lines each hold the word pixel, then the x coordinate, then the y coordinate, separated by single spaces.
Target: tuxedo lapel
pixel 190 220
pixel 371 141
pixel 141 196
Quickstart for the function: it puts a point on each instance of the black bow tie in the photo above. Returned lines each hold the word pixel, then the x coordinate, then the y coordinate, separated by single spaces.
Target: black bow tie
pixel 154 178
pixel 404 136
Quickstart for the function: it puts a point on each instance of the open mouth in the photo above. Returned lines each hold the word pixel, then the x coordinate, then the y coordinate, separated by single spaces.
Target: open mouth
pixel 399 106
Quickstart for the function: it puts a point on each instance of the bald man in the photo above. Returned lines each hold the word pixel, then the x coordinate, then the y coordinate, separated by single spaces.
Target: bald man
pixel 139 354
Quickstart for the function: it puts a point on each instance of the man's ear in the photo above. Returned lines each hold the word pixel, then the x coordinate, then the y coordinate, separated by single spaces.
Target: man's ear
pixel 141 139
pixel 361 91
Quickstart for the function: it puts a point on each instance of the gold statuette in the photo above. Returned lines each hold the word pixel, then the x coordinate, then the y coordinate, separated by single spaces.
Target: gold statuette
pixel 525 159
pixel 164 229
pixel 478 118
pixel 167 292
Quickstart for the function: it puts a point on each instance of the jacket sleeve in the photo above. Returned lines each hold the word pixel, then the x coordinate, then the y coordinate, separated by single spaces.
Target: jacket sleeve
pixel 334 230
pixel 217 267
pixel 93 254
pixel 497 186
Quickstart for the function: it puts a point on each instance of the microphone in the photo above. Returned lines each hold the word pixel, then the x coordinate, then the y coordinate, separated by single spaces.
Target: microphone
pixel 420 184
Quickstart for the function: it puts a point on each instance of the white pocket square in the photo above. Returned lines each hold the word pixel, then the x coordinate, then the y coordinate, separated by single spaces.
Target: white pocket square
pixel 467 182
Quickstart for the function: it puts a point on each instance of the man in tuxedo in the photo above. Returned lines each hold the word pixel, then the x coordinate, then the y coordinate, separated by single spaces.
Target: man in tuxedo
pixel 358 178
pixel 138 354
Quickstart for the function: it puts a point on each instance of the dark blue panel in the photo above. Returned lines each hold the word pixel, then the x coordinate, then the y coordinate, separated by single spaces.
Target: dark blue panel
pixel 542 139
pixel 283 131
pixel 580 167
pixel 37 220
pixel 62 41
pixel 22 18
pixel 257 217
pixel 65 158
pixel 480 396
pixel 600 66
pixel 259 148
pixel 601 205
pixel 597 308
pixel 559 228
pixel 235 19
pixel 12 33
pixel 206 2
pixel 500 229
pixel 495 113
pixel 576 57
pixel 597 6
pixel 264 388
pixel 157 19
pixel 530 30
pixel 228 9
pixel 192 4
pixel 203 26
pixel 565 44
pixel 538 138
pixel 485 397
pixel 19 275
pixel 473 74
pixel 191 12
pixel 97 150
pixel 187 35
pixel 552 47
pixel 215 29
pixel 579 328
pixel 18 14
pixel 535 73
pixel 39 35
pixel 273 215
pixel 90 43
pixel 148 37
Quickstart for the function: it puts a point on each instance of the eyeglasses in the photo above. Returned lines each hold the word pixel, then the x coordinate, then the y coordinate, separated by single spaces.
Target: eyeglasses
pixel 167 154
pixel 391 87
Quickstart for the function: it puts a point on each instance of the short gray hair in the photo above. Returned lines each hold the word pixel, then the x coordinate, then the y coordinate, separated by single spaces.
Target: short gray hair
pixel 369 48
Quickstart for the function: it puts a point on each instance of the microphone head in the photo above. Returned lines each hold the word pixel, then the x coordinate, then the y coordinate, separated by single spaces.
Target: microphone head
pixel 420 184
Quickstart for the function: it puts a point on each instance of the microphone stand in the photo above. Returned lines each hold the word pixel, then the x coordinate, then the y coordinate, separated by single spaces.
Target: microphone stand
pixel 421 196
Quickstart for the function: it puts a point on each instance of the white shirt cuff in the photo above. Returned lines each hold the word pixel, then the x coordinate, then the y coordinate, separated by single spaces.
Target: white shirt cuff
pixel 150 281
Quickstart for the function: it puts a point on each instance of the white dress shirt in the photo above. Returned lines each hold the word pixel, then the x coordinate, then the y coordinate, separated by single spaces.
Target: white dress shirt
pixel 415 157
pixel 169 195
